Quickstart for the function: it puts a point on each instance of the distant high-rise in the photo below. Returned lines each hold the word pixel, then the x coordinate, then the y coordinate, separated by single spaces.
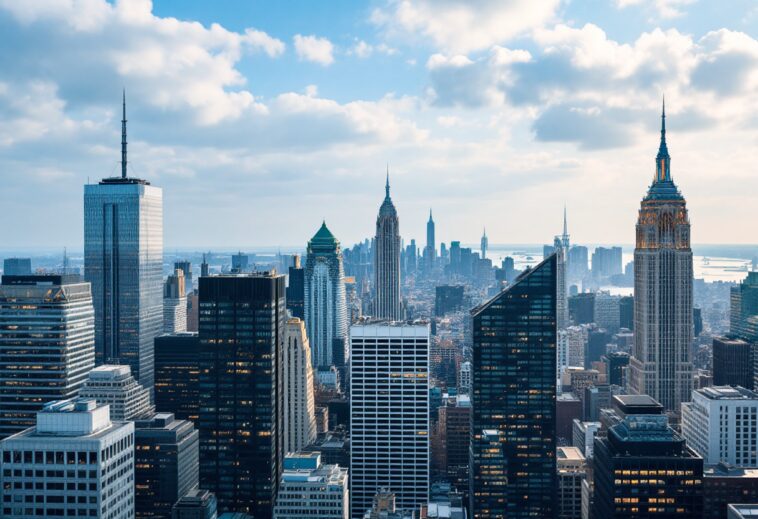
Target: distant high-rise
pixel 389 408
pixel 661 365
pixel 166 464
pixel 240 263
pixel 578 262
pixel 513 467
pixel 430 251
pixel 242 319
pixel 17 266
pixel 123 261
pixel 114 385
pixel 186 268
pixel 387 261
pixel 175 303
pixel 47 344
pixel 743 319
pixel 177 375
pixel 75 462
pixel 484 244
pixel 296 288
pixel 299 418
pixel 325 301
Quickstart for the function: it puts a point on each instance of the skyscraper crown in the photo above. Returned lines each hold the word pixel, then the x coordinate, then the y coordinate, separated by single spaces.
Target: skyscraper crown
pixel 663 187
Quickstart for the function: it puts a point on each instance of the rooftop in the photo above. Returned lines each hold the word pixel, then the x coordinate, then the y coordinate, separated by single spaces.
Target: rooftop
pixel 569 454
pixel 727 393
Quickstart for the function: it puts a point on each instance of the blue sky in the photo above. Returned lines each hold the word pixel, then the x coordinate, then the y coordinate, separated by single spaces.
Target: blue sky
pixel 261 118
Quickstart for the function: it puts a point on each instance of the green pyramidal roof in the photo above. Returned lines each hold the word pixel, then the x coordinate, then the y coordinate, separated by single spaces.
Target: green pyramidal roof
pixel 323 239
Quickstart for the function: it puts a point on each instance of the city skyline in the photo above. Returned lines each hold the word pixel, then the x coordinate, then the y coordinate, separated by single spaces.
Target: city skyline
pixel 472 123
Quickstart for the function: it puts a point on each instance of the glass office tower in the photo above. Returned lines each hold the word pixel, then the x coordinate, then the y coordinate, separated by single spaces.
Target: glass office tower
pixel 513 467
pixel 242 320
pixel 123 261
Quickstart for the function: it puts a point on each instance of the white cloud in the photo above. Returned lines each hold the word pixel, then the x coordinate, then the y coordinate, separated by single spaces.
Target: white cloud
pixel 663 8
pixel 458 26
pixel 314 49
pixel 362 49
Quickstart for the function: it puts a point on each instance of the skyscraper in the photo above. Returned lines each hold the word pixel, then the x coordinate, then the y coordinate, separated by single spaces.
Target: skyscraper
pixel 484 244
pixel 325 302
pixel 123 261
pixel 309 488
pixel 389 414
pixel 661 366
pixel 643 468
pixel 17 266
pixel 387 261
pixel 513 467
pixel 743 318
pixel 299 418
pixel 296 288
pixel 175 303
pixel 430 251
pixel 47 344
pixel 177 375
pixel 242 319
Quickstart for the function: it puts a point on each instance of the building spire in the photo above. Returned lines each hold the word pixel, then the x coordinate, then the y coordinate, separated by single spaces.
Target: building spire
pixel 387 185
pixel 430 215
pixel 663 173
pixel 565 222
pixel 123 137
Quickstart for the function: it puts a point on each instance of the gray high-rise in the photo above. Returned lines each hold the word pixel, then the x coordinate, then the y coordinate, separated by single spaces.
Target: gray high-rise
pixel 47 344
pixel 123 261
pixel 325 303
pixel 430 251
pixel 387 261
pixel 661 364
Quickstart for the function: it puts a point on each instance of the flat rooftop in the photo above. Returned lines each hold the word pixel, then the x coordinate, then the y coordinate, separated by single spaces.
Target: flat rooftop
pixel 727 393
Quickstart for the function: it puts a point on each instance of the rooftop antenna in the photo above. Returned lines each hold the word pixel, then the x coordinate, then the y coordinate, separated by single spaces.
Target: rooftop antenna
pixel 123 138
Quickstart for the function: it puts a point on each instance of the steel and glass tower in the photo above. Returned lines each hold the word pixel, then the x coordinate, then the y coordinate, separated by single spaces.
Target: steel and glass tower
pixel 661 365
pixel 387 261
pixel 430 252
pixel 325 302
pixel 123 261
pixel 242 326
pixel 513 426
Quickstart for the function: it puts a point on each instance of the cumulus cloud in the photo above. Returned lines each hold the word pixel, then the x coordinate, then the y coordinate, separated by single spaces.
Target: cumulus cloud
pixel 663 8
pixel 458 26
pixel 364 50
pixel 314 49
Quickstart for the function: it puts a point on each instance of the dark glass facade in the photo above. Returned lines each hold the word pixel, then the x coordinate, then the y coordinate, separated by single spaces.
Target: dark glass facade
pixel 582 308
pixel 732 362
pixel 240 421
pixel 177 375
pixel 513 462
pixel 296 292
pixel 166 464
pixel 447 299
pixel 644 469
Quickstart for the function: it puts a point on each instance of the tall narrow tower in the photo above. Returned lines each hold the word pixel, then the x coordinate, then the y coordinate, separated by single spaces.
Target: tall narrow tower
pixel 123 261
pixel 430 252
pixel 661 366
pixel 485 244
pixel 387 260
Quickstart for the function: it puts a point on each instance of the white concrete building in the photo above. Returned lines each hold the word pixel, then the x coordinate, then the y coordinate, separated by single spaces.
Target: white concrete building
pixel 114 385
pixel 389 414
pixel 82 460
pixel 720 424
pixel 310 489
pixel 299 416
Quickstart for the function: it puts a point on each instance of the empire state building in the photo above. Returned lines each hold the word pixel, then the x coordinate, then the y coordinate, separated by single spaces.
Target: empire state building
pixel 661 365
pixel 387 261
